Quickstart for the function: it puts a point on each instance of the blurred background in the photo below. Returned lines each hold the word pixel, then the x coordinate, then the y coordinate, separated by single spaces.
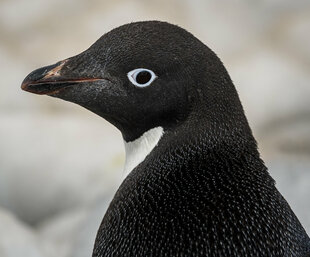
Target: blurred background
pixel 60 164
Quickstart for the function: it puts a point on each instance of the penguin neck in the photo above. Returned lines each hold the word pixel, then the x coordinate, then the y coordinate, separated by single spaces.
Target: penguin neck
pixel 194 133
pixel 137 150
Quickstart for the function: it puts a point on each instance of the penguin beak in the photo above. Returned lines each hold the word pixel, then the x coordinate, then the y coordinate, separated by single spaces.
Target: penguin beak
pixel 52 79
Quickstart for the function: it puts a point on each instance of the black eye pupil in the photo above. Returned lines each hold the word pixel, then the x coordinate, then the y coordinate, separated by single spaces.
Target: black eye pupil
pixel 143 77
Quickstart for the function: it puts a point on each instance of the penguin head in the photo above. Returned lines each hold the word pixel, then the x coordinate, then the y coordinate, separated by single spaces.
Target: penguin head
pixel 140 76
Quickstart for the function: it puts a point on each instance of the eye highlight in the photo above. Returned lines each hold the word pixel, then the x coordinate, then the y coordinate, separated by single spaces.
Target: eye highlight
pixel 141 77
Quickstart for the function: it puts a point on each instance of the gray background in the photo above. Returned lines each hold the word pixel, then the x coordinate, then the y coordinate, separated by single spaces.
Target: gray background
pixel 60 164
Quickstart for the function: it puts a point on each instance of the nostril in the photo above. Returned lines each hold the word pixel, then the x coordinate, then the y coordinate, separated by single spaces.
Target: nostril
pixel 50 73
pixel 54 70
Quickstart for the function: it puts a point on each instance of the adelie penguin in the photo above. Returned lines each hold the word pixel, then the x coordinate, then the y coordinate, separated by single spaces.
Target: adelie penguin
pixel 195 183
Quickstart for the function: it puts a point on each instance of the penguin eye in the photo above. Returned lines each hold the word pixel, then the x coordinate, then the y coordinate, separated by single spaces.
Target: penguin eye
pixel 141 77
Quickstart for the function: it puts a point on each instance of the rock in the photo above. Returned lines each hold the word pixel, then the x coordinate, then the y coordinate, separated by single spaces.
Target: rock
pixel 288 137
pixel 73 233
pixel 292 180
pixel 85 238
pixel 295 39
pixel 51 163
pixel 270 87
pixel 17 239
pixel 58 233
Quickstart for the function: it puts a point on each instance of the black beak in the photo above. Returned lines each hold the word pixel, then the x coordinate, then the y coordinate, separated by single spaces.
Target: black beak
pixel 51 79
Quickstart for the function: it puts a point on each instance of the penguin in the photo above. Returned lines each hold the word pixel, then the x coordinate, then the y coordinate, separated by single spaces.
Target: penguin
pixel 195 184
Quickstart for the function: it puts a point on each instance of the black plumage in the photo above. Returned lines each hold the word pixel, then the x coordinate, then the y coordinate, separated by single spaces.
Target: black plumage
pixel 203 190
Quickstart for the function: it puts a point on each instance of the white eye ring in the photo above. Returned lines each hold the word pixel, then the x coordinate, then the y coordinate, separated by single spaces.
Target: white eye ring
pixel 141 77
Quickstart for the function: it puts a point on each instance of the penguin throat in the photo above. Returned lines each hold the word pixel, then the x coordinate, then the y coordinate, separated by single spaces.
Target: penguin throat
pixel 137 150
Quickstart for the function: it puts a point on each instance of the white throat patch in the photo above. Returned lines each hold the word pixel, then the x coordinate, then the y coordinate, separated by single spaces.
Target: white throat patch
pixel 136 151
